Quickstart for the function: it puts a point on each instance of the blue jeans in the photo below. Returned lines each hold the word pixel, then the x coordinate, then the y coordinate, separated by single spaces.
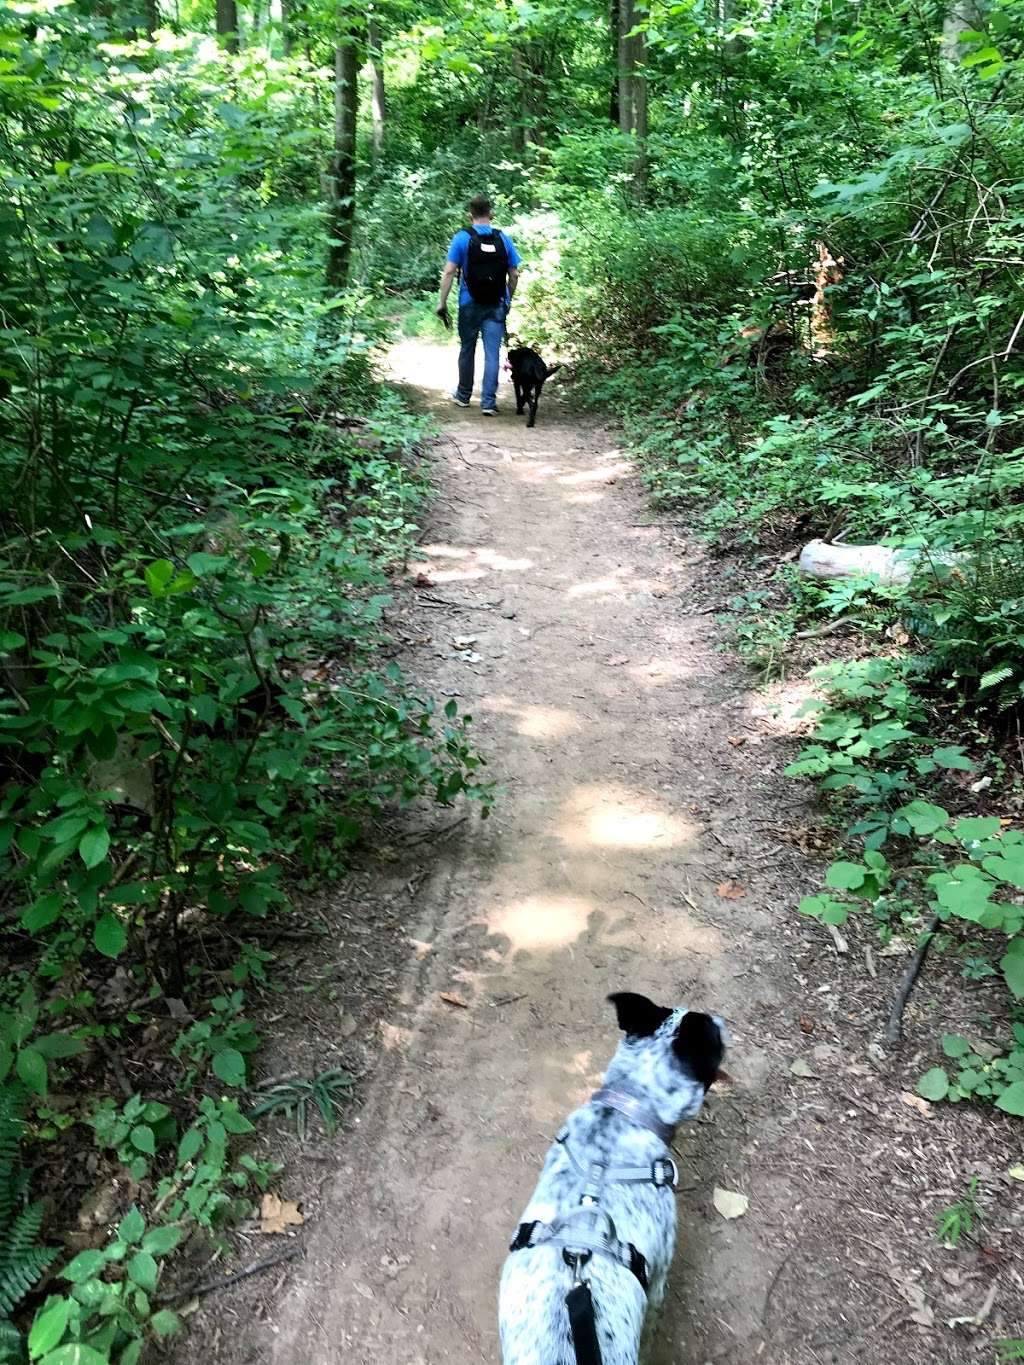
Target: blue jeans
pixel 475 319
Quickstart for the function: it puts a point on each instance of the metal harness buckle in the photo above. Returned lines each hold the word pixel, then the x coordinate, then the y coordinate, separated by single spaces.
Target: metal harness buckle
pixel 576 1260
pixel 664 1171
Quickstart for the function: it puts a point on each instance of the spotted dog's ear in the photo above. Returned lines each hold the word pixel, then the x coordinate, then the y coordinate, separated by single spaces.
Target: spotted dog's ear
pixel 700 1046
pixel 637 1015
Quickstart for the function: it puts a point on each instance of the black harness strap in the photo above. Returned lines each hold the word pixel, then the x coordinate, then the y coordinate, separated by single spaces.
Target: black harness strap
pixel 582 1325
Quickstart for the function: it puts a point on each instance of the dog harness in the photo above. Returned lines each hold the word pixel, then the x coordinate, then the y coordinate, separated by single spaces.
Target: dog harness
pixel 589 1228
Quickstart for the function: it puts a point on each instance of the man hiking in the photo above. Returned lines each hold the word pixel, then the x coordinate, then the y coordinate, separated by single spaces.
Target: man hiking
pixel 487 263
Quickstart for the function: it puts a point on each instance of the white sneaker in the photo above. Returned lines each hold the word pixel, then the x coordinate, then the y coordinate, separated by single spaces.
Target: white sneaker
pixel 488 412
pixel 459 403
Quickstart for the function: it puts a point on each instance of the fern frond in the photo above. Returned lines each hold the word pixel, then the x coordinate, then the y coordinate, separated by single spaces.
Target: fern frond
pixel 12 1344
pixel 22 1235
pixel 18 1280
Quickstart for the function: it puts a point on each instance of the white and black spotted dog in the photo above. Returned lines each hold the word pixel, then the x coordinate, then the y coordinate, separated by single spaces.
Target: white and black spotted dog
pixel 590 1259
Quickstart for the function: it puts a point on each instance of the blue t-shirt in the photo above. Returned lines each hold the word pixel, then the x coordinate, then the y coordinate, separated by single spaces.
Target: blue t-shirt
pixel 457 255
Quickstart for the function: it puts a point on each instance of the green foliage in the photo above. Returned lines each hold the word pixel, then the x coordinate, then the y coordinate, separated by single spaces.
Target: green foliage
pixel 208 489
pixel 958 1220
pixel 296 1097
pixel 108 1311
pixel 22 1259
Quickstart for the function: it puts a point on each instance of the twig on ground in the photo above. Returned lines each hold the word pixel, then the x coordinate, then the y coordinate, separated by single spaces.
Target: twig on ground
pixel 211 1286
pixel 894 1025
pixel 829 627
pixel 435 833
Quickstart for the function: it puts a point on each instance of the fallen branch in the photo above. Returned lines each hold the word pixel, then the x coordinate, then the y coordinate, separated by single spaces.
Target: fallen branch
pixel 894 1024
pixel 211 1286
pixel 829 627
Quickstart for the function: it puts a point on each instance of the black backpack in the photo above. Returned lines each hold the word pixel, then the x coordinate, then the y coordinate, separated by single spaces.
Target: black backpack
pixel 486 271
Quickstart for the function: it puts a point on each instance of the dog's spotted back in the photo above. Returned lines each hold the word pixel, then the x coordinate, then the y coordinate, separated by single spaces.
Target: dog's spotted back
pixel 666 1062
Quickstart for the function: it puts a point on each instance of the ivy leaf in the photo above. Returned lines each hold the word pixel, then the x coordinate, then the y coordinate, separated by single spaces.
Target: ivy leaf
pixel 955 1045
pixel 934 1084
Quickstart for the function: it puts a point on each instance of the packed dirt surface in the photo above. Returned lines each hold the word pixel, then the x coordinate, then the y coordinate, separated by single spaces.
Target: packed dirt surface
pixel 645 840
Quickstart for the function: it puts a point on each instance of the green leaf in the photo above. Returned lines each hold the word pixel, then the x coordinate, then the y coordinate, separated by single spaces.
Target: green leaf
pixel 975 828
pixel 158 575
pixel 94 845
pixel 31 1068
pixel 132 1226
pixel 1009 867
pixel 48 1326
pixel 142 1139
pixel 845 876
pixel 923 818
pixel 934 1084
pixel 1012 964
pixel 54 1046
pixel 109 935
pixel 189 1145
pixel 229 1066
pixel 165 1323
pixel 75 1353
pixel 42 912
pixel 142 1270
pixel 952 756
pixel 84 1266
pixel 955 1045
pixel 1011 1101
pixel 160 1241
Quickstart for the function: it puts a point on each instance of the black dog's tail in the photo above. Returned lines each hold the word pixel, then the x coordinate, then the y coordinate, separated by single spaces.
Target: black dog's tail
pixel 551 370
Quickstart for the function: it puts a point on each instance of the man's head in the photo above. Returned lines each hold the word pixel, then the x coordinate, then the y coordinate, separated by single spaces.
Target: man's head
pixel 480 209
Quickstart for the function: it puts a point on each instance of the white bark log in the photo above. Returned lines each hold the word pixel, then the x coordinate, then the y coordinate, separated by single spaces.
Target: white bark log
pixel 820 559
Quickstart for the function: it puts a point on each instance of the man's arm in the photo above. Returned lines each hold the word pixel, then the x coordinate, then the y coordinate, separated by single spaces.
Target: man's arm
pixel 447 279
pixel 513 280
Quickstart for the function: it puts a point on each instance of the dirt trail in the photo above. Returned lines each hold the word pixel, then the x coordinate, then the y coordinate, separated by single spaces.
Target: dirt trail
pixel 606 714
pixel 639 778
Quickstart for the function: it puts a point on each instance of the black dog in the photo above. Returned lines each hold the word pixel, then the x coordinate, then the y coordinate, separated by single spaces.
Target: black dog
pixel 528 375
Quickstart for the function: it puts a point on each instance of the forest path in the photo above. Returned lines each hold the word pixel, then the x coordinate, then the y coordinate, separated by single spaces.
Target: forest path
pixel 606 715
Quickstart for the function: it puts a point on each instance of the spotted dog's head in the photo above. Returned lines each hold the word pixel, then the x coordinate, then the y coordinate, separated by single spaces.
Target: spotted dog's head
pixel 671 1056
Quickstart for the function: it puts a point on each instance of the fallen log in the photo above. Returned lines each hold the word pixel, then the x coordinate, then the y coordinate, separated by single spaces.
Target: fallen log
pixel 825 559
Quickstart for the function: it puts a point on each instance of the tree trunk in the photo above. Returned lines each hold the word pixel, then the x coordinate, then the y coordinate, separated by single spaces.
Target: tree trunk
pixel 286 27
pixel 227 23
pixel 152 17
pixel 626 61
pixel 640 108
pixel 341 181
pixel 961 17
pixel 378 92
pixel 613 33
